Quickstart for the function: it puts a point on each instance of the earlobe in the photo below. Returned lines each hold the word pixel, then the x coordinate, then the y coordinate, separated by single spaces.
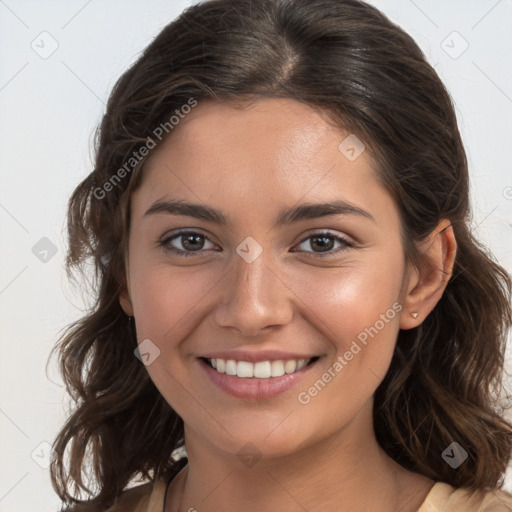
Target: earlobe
pixel 126 303
pixel 124 295
pixel 426 286
pixel 125 300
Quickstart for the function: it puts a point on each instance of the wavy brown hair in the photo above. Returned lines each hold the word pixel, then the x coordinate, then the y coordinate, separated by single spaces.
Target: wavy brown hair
pixel 349 60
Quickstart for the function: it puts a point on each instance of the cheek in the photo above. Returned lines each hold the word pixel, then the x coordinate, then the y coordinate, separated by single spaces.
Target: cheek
pixel 357 311
pixel 351 300
pixel 166 299
pixel 168 308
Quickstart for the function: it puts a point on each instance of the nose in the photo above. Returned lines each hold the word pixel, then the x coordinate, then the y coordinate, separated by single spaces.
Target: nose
pixel 255 297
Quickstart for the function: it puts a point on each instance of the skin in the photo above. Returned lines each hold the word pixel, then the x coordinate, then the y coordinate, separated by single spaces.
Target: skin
pixel 251 163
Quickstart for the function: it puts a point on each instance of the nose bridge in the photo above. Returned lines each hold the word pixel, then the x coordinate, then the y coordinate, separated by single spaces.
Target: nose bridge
pixel 254 297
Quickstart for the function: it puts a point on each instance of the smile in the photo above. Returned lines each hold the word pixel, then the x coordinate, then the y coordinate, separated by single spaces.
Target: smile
pixel 259 370
pixel 258 380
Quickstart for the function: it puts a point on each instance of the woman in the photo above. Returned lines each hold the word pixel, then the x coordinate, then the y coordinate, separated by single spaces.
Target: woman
pixel 335 341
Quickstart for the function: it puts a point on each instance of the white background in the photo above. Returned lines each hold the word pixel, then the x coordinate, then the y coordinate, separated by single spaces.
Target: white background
pixel 49 108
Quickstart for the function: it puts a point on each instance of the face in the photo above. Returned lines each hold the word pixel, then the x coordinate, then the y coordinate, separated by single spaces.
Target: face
pixel 270 276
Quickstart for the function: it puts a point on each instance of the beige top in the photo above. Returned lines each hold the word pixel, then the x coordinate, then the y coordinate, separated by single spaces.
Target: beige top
pixel 441 498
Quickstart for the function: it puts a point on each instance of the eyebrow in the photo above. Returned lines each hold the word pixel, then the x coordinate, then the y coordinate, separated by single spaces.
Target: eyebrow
pixel 285 217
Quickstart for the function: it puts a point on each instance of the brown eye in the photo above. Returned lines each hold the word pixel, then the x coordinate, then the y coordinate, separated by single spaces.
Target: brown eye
pixel 192 242
pixel 187 243
pixel 322 244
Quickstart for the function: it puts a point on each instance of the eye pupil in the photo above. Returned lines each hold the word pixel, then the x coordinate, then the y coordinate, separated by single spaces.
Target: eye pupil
pixel 187 238
pixel 323 246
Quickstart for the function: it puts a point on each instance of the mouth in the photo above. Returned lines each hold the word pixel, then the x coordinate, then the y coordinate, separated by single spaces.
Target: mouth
pixel 260 369
pixel 256 381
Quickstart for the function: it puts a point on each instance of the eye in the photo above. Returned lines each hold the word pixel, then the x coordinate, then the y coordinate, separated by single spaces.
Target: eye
pixel 191 242
pixel 325 242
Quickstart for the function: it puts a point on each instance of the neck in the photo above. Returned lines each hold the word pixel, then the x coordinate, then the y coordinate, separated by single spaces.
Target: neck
pixel 347 471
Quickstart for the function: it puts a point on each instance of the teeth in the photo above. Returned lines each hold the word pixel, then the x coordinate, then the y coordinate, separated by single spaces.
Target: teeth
pixel 290 366
pixel 244 369
pixel 277 368
pixel 259 370
pixel 231 367
pixel 262 369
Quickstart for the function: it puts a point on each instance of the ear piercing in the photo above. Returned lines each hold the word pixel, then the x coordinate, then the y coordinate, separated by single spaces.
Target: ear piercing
pixel 414 315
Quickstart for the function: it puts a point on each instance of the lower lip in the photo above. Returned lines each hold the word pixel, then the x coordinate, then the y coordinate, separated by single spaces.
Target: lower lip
pixel 253 388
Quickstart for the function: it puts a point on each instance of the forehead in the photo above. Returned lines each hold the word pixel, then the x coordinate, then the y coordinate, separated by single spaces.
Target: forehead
pixel 286 126
pixel 270 152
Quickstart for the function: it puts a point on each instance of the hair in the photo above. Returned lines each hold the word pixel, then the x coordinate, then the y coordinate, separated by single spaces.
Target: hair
pixel 347 59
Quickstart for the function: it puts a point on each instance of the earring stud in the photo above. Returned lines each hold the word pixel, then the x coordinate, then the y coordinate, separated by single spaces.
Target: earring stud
pixel 414 315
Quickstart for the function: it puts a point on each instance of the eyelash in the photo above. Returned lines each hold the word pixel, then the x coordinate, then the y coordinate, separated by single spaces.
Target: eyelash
pixel 164 244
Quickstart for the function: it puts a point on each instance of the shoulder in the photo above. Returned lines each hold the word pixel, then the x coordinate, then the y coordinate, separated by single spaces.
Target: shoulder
pixel 444 497
pixel 142 498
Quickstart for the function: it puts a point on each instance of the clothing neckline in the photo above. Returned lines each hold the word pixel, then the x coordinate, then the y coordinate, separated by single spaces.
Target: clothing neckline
pixel 429 495
pixel 423 504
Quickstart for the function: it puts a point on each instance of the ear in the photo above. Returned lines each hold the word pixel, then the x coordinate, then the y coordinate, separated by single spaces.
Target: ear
pixel 124 298
pixel 126 303
pixel 426 284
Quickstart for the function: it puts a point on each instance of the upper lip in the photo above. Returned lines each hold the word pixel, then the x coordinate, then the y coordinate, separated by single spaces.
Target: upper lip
pixel 253 356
